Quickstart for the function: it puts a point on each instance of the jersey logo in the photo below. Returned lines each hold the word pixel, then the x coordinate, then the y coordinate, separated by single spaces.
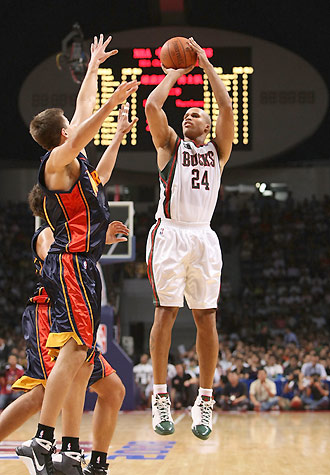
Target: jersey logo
pixel 36 462
pixel 96 177
pixel 202 159
pixel 93 181
pixel 187 145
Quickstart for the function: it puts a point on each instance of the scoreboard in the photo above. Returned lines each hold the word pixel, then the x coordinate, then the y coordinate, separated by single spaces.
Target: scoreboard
pixel 233 64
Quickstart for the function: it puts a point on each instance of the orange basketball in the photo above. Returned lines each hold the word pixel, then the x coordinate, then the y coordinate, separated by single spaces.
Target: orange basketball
pixel 176 53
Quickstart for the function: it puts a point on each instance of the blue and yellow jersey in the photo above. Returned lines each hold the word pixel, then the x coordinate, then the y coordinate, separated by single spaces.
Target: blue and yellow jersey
pixel 79 217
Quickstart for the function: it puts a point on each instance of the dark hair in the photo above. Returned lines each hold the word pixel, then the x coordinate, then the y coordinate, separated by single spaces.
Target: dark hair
pixel 46 127
pixel 36 200
pixel 233 371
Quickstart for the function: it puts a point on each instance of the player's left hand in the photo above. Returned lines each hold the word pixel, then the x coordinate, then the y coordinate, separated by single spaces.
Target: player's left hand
pixel 114 228
pixel 124 125
pixel 98 53
pixel 178 72
pixel 201 55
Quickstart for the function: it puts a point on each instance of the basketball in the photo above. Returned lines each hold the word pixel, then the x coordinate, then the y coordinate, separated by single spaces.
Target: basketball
pixel 176 53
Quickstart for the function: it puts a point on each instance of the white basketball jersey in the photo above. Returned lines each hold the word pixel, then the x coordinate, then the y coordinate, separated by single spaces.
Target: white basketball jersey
pixel 189 184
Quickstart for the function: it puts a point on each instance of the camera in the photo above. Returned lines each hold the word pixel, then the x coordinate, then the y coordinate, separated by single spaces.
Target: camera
pixel 231 399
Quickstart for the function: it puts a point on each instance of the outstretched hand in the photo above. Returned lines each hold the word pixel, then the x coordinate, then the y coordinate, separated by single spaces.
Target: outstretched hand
pixel 98 53
pixel 116 227
pixel 124 90
pixel 124 125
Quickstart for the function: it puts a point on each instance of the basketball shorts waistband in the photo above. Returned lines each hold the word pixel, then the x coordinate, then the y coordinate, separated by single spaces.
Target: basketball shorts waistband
pixel 183 224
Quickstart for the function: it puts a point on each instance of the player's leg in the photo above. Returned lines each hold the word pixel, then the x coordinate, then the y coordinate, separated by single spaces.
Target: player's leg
pixel 68 460
pixel 110 395
pixel 166 251
pixel 70 360
pixel 207 347
pixel 202 293
pixel 160 342
pixel 37 452
pixel 20 411
pixel 76 312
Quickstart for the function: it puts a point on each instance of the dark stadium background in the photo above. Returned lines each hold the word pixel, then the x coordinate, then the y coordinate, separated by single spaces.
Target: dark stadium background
pixel 31 31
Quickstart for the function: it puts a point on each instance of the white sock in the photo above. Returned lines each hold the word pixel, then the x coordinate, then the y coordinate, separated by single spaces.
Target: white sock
pixel 205 392
pixel 160 389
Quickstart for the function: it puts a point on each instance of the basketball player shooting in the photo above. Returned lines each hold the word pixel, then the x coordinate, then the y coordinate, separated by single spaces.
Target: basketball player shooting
pixel 183 252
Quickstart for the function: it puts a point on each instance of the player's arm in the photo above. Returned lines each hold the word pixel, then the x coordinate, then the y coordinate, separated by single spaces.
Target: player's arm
pixel 163 136
pixel 114 228
pixel 87 94
pixel 79 137
pixel 225 122
pixel 108 159
pixel 44 241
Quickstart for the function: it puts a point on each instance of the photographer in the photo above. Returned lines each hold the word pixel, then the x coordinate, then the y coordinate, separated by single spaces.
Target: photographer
pixel 234 395
pixel 292 391
pixel 316 395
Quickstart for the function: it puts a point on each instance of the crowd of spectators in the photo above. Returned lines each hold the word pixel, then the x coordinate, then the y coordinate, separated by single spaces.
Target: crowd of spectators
pixel 251 377
pixel 16 272
pixel 285 261
pixel 275 310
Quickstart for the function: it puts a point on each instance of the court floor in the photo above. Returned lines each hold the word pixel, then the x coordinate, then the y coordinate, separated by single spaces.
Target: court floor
pixel 248 443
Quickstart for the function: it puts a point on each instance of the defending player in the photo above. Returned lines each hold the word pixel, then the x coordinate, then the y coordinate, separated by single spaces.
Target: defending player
pixel 104 380
pixel 183 252
pixel 76 210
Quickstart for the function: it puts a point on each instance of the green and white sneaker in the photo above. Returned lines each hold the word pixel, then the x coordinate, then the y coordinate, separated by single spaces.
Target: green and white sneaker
pixel 162 421
pixel 201 414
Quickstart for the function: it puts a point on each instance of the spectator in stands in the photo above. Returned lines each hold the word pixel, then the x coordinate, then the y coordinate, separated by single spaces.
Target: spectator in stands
pixel 254 365
pixel 273 369
pixel 290 337
pixel 315 395
pixel 234 395
pixel 313 367
pixel 184 388
pixel 327 367
pixel 292 366
pixel 292 391
pixel 12 373
pixel 143 374
pixel 218 382
pixel 240 368
pixel 4 350
pixel 263 392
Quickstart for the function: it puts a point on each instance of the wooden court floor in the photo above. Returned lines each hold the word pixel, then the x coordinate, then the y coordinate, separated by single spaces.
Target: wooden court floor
pixel 267 443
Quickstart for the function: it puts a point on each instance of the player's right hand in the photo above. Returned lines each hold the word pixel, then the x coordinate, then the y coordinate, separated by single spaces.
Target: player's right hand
pixel 124 90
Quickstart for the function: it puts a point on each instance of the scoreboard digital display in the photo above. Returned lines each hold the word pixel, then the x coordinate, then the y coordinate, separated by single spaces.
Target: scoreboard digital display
pixel 191 90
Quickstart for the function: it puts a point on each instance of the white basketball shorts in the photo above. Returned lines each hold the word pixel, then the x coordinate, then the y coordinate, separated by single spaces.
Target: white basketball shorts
pixel 184 260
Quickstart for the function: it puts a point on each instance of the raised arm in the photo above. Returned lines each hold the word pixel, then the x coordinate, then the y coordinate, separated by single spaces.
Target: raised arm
pixel 225 122
pixel 87 94
pixel 79 137
pixel 163 136
pixel 108 159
